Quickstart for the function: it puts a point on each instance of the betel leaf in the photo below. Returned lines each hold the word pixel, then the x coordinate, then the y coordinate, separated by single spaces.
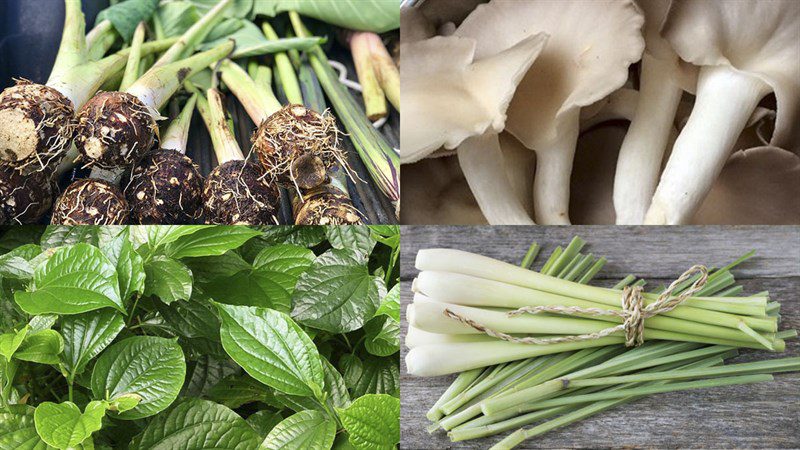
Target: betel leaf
pixel 208 268
pixel 59 235
pixel 272 349
pixel 167 279
pixel 209 241
pixel 151 367
pixel 306 430
pixel 356 237
pixel 236 390
pixel 372 422
pixel 337 294
pixel 16 263
pixel 262 422
pixel 383 331
pixel 378 16
pixel 86 335
pixel 76 279
pixel 43 322
pixel 130 266
pixel 335 386
pixel 43 347
pixel 197 424
pixel 125 16
pixel 64 426
pixel 10 342
pixel 206 372
pixel 17 429
pixel 306 236
pixel 370 376
pixel 195 318
pixel 157 236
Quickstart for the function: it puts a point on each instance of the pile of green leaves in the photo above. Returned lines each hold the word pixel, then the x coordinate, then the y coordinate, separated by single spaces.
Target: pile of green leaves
pixel 187 337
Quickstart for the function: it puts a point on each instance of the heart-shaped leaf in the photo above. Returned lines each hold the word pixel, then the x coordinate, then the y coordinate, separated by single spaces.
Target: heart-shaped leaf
pixel 306 430
pixel 372 422
pixel 167 279
pixel 86 335
pixel 209 241
pixel 64 426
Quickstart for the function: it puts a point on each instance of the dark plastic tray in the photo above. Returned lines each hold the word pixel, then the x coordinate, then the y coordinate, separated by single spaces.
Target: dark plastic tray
pixel 30 31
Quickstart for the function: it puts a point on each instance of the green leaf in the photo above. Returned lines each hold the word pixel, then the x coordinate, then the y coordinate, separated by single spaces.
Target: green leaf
pixel 208 268
pixel 385 230
pixel 43 322
pixel 42 347
pixel 335 386
pixel 63 426
pixel 357 237
pixel 10 342
pixel 17 429
pixel 125 16
pixel 305 236
pixel 195 318
pixel 86 335
pixel 157 236
pixel 264 421
pixel 197 424
pixel 306 430
pixel 60 235
pixel 272 349
pixel 167 279
pixel 250 41
pixel 372 422
pixel 337 294
pixel 206 372
pixel 378 16
pixel 16 263
pixel 371 376
pixel 176 17
pixel 383 331
pixel 129 264
pixel 237 390
pixel 74 280
pixel 150 367
pixel 209 241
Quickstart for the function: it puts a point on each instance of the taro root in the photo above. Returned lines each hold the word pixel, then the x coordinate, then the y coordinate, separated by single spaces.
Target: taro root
pixel 296 145
pixel 91 202
pixel 114 130
pixel 24 199
pixel 36 125
pixel 325 205
pixel 165 188
pixel 237 192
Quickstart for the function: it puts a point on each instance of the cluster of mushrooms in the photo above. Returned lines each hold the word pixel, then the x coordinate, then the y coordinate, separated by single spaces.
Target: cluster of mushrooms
pixel 606 111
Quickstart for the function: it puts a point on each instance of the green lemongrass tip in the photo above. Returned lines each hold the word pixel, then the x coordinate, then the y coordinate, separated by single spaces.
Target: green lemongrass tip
pixel 371 91
pixel 773 307
pixel 756 337
pixel 286 73
pixel 786 334
pixel 194 35
pixel 159 83
pixel 99 39
pixel 733 291
pixel 570 265
pixel 177 135
pixel 225 146
pixel 530 255
pixel 134 57
pixel 627 281
pixel 72 50
pixel 572 249
pixel 385 69
pixel 258 101
pixel 462 381
pixel 580 267
pixel 640 282
pixel 593 270
pixel 546 268
pixel 382 161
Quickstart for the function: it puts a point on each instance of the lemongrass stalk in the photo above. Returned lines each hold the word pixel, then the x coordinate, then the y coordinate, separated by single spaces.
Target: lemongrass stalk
pixel 570 266
pixel 724 102
pixel 570 251
pixel 291 86
pixel 461 382
pixel 580 267
pixel 194 35
pixel 159 83
pixel 457 261
pixel 382 161
pixel 530 255
pixel 773 307
pixel 593 270
pixel 629 279
pixel 371 92
pixel 258 100
pixel 733 292
pixel 134 57
pixel 417 337
pixel 385 69
pixel 177 135
pixel 551 260
pixel 786 334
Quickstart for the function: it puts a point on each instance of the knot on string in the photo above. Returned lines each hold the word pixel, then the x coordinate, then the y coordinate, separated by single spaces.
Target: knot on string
pixel 633 313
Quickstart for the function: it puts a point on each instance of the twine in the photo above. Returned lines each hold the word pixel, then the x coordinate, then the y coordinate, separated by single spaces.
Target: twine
pixel 633 313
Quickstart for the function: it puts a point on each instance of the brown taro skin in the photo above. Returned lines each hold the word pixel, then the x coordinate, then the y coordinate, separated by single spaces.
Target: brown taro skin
pixel 238 193
pixel 24 199
pixel 91 202
pixel 114 130
pixel 297 145
pixel 165 188
pixel 36 126
pixel 325 205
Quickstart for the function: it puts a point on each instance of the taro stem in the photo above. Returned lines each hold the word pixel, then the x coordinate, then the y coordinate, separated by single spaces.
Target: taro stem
pixel 374 98
pixel 134 57
pixel 291 87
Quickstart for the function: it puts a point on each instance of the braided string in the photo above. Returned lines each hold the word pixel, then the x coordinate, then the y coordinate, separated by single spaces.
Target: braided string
pixel 633 313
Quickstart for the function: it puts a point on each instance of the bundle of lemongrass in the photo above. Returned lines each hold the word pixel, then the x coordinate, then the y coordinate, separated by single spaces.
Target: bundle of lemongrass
pixel 507 385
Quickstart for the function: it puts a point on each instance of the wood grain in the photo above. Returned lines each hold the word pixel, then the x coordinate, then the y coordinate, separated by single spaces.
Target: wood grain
pixel 765 415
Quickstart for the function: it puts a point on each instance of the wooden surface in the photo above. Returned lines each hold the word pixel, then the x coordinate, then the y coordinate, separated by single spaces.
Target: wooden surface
pixel 765 415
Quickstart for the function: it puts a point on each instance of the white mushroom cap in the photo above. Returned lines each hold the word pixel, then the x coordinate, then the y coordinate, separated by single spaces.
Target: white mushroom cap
pixel 449 96
pixel 759 38
pixel 587 56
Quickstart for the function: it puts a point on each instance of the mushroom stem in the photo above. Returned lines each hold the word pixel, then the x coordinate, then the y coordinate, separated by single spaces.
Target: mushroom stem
pixel 725 101
pixel 642 150
pixel 553 170
pixel 482 163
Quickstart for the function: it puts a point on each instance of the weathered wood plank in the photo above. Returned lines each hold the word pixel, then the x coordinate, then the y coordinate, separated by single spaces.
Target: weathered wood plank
pixel 752 416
